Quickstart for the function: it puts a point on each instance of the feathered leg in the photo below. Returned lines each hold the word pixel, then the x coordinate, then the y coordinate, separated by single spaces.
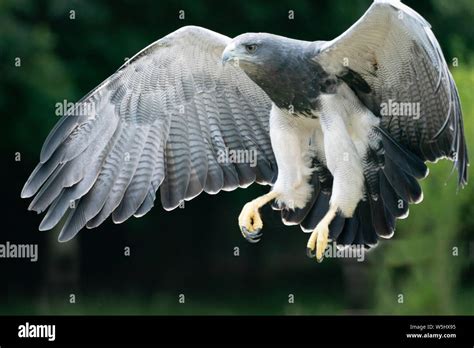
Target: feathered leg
pixel 345 164
pixel 290 142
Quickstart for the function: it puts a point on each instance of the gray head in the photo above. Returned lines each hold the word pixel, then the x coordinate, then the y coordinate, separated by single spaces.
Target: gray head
pixel 260 53
pixel 284 68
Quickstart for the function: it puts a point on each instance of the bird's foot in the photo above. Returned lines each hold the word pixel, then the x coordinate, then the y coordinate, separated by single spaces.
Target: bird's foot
pixel 250 222
pixel 318 241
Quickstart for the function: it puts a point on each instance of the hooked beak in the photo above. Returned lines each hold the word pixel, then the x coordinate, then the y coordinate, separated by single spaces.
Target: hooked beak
pixel 228 53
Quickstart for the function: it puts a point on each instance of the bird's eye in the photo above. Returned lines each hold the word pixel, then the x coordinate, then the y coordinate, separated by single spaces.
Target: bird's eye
pixel 251 48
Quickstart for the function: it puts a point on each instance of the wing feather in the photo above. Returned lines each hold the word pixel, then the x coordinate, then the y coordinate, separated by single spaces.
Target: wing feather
pixel 162 121
pixel 393 49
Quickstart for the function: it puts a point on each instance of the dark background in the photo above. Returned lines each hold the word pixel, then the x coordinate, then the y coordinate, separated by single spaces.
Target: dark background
pixel 190 251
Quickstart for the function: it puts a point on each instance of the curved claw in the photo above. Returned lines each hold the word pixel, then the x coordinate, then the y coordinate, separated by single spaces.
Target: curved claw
pixel 253 241
pixel 252 237
pixel 310 253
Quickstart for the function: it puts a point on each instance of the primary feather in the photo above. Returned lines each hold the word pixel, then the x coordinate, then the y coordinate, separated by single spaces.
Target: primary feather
pixel 160 121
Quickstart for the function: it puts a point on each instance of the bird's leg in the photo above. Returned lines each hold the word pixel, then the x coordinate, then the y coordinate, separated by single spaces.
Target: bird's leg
pixel 319 237
pixel 250 222
pixel 345 164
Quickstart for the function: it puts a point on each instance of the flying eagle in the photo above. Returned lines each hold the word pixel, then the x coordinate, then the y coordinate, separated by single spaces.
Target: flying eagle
pixel 340 129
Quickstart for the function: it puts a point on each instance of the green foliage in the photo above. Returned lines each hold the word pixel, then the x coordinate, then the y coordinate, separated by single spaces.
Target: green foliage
pixel 430 252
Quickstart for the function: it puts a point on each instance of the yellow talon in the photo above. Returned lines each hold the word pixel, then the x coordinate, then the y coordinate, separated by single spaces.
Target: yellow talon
pixel 320 236
pixel 250 218
pixel 250 222
pixel 318 241
pixel 322 242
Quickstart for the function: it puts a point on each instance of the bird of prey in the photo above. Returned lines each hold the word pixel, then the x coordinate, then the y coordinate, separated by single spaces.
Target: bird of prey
pixel 341 130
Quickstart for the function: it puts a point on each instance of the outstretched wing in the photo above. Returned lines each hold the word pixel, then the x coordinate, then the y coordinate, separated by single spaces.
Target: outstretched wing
pixel 169 118
pixel 391 56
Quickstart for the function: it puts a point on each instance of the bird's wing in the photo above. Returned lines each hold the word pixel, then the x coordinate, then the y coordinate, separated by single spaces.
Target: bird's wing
pixel 172 118
pixel 391 55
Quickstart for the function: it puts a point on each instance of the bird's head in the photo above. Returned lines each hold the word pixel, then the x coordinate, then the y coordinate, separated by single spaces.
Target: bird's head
pixel 254 52
pixel 246 48
pixel 273 62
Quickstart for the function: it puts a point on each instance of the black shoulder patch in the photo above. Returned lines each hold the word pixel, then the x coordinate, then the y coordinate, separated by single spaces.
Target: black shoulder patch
pixel 355 81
